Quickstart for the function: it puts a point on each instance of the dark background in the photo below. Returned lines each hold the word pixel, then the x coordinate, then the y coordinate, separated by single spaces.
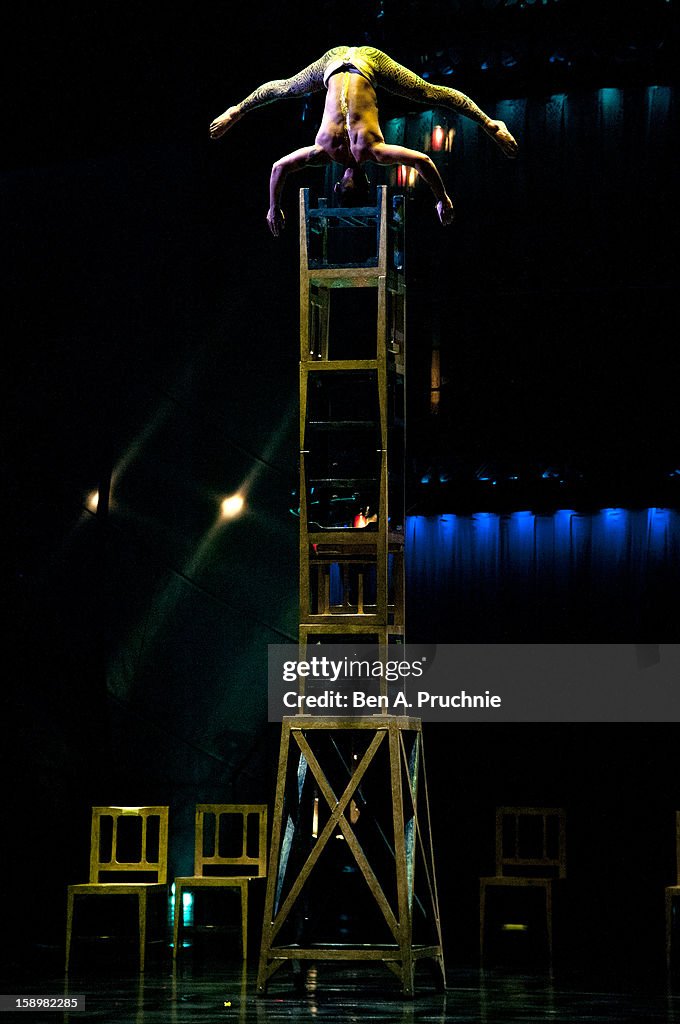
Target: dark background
pixel 150 328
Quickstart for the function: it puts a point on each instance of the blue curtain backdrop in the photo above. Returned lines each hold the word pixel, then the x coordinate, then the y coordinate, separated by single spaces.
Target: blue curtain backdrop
pixel 606 576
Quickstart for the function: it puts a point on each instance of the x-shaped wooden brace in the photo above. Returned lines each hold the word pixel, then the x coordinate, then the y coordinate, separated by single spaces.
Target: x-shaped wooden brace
pixel 337 819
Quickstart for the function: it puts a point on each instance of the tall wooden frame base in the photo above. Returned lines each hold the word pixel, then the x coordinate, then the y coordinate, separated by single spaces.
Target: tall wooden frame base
pixel 386 743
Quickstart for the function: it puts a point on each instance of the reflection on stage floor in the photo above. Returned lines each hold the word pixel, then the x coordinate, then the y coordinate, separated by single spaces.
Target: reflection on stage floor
pixel 212 991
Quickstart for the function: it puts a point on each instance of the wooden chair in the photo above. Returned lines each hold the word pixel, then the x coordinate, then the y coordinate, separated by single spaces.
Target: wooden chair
pixel 130 842
pixel 216 825
pixel 671 891
pixel 530 854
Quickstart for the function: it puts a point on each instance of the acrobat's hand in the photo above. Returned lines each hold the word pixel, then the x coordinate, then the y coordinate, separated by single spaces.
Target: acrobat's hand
pixel 498 130
pixel 224 122
pixel 445 211
pixel 276 220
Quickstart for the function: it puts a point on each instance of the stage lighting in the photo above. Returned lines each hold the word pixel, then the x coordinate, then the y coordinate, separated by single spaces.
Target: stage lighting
pixel 438 136
pixel 232 506
pixel 487 474
pixel 406 176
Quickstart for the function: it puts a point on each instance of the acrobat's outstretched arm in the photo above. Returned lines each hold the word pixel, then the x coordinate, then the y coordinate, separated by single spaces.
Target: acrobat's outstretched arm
pixel 308 156
pixel 383 153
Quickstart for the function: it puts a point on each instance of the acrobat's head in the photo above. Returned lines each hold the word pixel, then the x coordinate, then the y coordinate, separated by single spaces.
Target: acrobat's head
pixel 353 188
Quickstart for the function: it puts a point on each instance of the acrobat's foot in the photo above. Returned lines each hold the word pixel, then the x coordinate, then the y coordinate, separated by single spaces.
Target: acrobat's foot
pixel 224 122
pixel 498 130
pixel 445 211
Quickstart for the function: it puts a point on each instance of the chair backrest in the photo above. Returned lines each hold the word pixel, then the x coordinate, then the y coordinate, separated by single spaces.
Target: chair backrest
pixel 231 839
pixel 531 841
pixel 131 842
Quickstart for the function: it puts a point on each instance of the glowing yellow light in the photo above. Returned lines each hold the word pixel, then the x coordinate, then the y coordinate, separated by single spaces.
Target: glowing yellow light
pixel 232 506
pixel 406 176
pixel 435 381
pixel 515 927
pixel 93 501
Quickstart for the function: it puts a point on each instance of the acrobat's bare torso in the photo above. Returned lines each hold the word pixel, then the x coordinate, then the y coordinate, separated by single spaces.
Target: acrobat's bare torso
pixel 349 128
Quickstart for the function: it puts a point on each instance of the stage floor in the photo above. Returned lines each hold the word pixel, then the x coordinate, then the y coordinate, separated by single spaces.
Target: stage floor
pixel 212 992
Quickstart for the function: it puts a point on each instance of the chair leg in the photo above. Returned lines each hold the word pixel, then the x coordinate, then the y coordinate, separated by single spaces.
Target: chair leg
pixel 69 928
pixel 177 919
pixel 669 928
pixel 142 931
pixel 549 919
pixel 244 919
pixel 482 912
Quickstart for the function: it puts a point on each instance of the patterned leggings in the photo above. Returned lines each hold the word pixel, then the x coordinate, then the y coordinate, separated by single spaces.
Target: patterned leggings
pixel 389 75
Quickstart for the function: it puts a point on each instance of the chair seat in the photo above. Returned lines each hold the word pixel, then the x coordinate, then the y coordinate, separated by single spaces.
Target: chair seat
pixel 517 880
pixel 198 880
pixel 104 888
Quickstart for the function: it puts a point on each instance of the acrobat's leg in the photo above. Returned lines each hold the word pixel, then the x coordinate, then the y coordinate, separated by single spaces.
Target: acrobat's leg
pixel 401 81
pixel 307 81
